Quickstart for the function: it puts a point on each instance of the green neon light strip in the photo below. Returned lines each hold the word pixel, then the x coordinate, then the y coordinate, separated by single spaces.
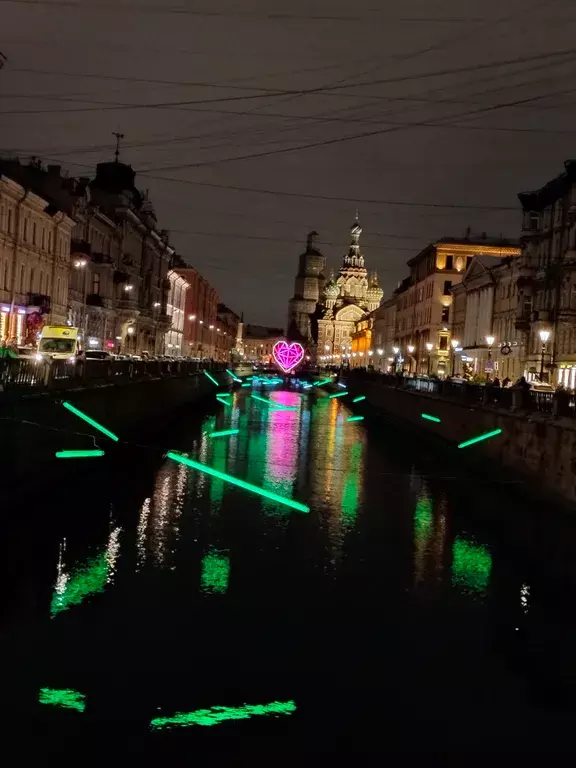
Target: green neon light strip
pixel 236 481
pixel 211 378
pixel 479 438
pixel 430 418
pixel 224 402
pixel 338 394
pixel 355 418
pixel 78 454
pixel 272 404
pixel 65 698
pixel 224 433
pixel 216 715
pixel 229 372
pixel 358 399
pixel 320 383
pixel 248 384
pixel 90 421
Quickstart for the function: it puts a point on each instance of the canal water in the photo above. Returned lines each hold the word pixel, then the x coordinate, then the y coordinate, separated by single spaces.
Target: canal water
pixel 416 606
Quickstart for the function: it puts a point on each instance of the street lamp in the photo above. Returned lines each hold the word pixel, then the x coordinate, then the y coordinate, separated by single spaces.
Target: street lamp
pixel 429 347
pixel 410 349
pixel 454 344
pixel 489 341
pixel 544 336
pixel 82 264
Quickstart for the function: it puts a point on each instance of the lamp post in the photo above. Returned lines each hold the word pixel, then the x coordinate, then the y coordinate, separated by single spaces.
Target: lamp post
pixel 490 342
pixel 410 349
pixel 396 350
pixel 454 343
pixel 83 264
pixel 544 336
pixel 429 347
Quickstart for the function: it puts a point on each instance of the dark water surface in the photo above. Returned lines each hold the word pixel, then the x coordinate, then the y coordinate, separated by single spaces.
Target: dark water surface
pixel 417 607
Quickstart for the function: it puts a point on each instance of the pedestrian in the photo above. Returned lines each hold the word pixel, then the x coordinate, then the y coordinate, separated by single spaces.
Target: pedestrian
pixel 496 382
pixel 506 382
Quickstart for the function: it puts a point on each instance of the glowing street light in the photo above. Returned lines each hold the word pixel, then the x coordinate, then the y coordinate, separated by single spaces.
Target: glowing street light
pixel 429 347
pixel 191 318
pixel 490 342
pixel 544 336
pixel 455 343
pixel 410 349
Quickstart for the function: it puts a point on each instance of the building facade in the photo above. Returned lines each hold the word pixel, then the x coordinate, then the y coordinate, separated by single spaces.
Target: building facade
pixel 176 310
pixel 227 333
pixel 201 316
pixel 35 238
pixel 424 300
pixel 547 281
pixel 308 287
pixel 256 342
pixel 384 335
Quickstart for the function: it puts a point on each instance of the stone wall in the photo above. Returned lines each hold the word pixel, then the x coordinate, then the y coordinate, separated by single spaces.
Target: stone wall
pixel 536 447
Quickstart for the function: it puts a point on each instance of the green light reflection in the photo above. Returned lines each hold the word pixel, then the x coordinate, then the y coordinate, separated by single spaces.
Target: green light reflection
pixel 215 572
pixel 216 715
pixel 64 697
pixel 471 566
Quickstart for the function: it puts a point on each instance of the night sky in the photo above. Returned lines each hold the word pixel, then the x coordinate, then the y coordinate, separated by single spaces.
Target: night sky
pixel 74 67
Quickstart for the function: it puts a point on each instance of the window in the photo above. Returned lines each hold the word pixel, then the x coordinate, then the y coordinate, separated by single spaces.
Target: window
pixel 50 241
pixel 32 275
pixel 96 283
pixel 468 260
pixel 533 220
pixel 58 289
pixel 22 278
pixel 34 232
pixel 43 239
pixel 7 276
pixel 25 230
pixel 9 220
pixel 450 262
pixel 443 342
pixel 447 287
pixel 445 314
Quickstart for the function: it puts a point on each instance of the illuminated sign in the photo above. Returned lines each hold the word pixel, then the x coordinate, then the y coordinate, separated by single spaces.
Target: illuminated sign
pixel 288 356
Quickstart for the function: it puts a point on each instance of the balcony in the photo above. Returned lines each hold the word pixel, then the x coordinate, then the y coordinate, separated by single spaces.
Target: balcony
pixel 127 304
pixel 94 300
pixel 102 258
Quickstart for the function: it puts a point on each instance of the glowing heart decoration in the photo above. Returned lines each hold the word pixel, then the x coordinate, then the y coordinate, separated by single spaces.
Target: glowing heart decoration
pixel 288 356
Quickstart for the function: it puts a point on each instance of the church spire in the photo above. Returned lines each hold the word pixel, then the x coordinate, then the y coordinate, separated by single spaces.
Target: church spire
pixel 354 258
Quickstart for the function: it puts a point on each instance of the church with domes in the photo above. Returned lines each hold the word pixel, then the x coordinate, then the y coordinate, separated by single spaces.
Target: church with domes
pixel 322 314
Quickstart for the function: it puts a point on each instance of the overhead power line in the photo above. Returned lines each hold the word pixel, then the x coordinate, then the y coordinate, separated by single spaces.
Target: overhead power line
pixel 280 92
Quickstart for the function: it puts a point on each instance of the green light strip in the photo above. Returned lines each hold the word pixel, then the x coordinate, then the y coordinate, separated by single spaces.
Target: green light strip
pixel 320 383
pixel 229 372
pixel 238 482
pixel 358 399
pixel 272 404
pixel 430 418
pixel 65 698
pixel 337 394
pixel 224 433
pixel 78 454
pixel 479 438
pixel 224 402
pixel 355 418
pixel 216 715
pixel 211 378
pixel 90 421
pixel 248 384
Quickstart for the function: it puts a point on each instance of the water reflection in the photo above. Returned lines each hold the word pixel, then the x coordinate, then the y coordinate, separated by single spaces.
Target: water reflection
pixel 72 588
pixel 471 566
pixel 215 572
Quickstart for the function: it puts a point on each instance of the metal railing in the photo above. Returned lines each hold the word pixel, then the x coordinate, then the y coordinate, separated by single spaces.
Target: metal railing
pixel 32 375
pixel 557 404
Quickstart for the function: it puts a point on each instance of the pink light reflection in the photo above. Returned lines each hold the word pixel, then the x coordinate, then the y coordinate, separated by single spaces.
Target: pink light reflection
pixel 283 435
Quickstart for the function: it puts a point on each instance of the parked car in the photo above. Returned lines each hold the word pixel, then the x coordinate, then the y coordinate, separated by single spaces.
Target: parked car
pixel 541 386
pixel 27 353
pixel 97 354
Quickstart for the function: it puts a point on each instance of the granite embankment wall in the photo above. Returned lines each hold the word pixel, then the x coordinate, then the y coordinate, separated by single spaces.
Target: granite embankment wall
pixel 537 447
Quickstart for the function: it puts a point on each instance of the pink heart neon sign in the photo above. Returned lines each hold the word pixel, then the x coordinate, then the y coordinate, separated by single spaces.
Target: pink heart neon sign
pixel 287 356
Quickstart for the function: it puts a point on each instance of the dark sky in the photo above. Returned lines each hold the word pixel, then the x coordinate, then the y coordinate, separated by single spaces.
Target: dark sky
pixel 73 66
